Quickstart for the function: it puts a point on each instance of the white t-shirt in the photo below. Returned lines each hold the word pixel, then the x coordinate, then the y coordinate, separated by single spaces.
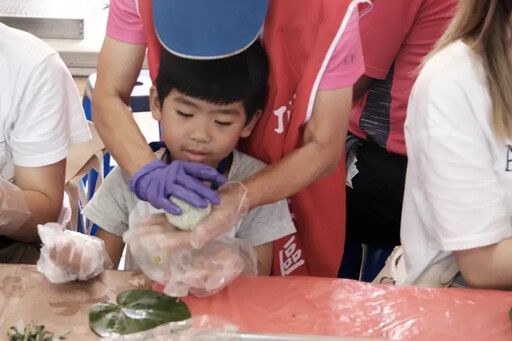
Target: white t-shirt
pixel 458 191
pixel 40 109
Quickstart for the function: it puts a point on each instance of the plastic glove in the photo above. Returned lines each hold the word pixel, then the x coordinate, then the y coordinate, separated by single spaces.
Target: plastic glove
pixel 67 255
pixel 157 181
pixel 233 206
pixel 154 233
pixel 183 269
pixel 13 208
pixel 210 269
pixel 152 237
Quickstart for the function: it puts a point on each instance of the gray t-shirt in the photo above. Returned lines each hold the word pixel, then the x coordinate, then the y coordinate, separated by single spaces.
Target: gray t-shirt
pixel 112 204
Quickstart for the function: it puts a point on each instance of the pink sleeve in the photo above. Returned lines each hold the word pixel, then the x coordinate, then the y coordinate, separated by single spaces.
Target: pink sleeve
pixel 124 22
pixel 346 64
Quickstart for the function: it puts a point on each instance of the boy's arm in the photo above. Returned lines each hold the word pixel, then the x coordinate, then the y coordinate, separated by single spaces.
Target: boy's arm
pixel 264 254
pixel 110 208
pixel 43 189
pixel 114 245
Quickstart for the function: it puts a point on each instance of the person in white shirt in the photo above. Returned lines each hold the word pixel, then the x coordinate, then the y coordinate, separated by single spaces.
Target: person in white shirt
pixel 458 192
pixel 40 116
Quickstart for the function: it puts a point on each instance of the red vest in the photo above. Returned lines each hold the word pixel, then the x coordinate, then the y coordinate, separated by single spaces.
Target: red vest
pixel 297 37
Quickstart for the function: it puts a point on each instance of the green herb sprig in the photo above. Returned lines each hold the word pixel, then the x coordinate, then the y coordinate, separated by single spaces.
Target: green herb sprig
pixel 34 333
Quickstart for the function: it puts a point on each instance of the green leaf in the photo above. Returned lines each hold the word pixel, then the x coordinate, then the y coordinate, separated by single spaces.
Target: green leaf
pixel 136 310
pixel 510 314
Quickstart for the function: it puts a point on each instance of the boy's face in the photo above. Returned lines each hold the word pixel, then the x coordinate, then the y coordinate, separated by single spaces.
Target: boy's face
pixel 199 131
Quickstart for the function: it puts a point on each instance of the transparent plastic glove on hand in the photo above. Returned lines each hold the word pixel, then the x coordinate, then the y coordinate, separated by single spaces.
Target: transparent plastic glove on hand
pixel 157 181
pixel 67 255
pixel 152 237
pixel 163 254
pixel 223 218
pixel 13 208
pixel 208 270
pixel 233 207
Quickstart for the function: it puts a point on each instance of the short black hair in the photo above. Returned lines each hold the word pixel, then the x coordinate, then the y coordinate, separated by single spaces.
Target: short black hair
pixel 242 77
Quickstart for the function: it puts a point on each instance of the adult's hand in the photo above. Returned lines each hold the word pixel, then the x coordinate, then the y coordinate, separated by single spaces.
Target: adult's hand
pixel 234 205
pixel 157 181
pixel 68 255
pixel 154 234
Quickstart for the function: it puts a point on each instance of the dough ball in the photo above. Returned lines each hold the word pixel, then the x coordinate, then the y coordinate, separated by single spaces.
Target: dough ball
pixel 190 216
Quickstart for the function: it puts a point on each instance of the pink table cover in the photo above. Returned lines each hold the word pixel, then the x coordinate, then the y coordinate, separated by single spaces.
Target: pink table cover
pixel 307 305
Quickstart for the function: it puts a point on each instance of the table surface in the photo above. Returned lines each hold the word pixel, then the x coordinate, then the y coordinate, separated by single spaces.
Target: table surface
pixel 293 305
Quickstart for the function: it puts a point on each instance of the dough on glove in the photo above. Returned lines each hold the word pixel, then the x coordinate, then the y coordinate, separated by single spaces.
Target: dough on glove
pixel 190 216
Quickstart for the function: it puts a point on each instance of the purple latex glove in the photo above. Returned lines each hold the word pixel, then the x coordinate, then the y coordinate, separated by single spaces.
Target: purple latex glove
pixel 157 181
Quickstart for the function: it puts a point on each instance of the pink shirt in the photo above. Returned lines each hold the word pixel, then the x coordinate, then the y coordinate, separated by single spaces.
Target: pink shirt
pixel 396 36
pixel 345 66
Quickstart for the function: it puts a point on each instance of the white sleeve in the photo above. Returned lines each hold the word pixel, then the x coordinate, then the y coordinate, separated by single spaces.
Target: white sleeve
pixel 449 149
pixel 50 116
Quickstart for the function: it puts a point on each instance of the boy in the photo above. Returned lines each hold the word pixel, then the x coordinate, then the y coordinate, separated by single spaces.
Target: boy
pixel 204 107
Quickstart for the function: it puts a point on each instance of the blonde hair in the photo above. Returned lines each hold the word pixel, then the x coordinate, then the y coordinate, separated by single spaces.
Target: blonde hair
pixel 484 25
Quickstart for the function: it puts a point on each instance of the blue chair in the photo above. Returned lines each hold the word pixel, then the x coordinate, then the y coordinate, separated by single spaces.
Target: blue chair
pixel 374 259
pixel 363 262
pixel 139 102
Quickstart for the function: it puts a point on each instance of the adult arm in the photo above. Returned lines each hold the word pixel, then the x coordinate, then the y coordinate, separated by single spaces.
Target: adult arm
pixel 323 143
pixel 119 65
pixel 324 138
pixel 118 68
pixel 487 267
pixel 361 87
pixel 48 118
pixel 43 189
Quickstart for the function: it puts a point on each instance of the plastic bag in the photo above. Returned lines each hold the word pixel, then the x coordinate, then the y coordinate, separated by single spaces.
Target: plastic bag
pixel 67 255
pixel 208 270
pixel 66 212
pixel 199 328
pixel 14 210
pixel 201 272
